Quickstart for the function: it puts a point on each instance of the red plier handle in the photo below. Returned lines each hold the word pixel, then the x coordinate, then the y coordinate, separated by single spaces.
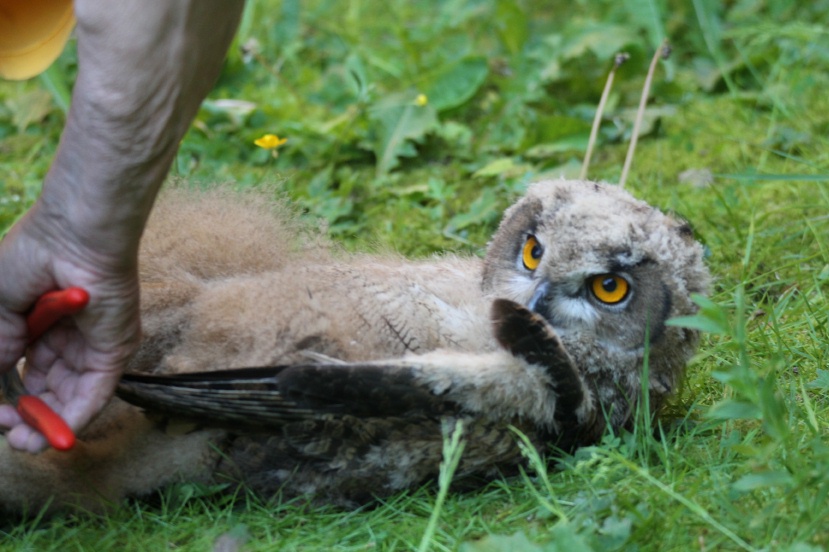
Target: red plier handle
pixel 50 308
pixel 53 306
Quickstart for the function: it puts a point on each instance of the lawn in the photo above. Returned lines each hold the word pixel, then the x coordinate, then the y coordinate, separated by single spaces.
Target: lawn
pixel 411 126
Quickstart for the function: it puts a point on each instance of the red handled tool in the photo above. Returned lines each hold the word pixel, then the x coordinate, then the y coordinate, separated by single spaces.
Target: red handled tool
pixel 40 416
pixel 53 306
pixel 50 308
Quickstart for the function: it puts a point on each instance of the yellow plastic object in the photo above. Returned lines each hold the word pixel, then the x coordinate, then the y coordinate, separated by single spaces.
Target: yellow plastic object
pixel 32 35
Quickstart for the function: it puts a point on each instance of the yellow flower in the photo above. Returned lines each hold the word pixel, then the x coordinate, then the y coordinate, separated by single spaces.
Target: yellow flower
pixel 270 141
pixel 421 100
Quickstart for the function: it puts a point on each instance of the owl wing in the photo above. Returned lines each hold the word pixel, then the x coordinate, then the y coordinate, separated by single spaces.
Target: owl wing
pixel 263 397
pixel 266 397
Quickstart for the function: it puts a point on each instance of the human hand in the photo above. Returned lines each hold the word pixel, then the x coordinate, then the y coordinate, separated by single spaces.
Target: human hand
pixel 77 364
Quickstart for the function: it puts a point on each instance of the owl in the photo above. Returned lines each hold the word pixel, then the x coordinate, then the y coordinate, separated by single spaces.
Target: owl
pixel 274 360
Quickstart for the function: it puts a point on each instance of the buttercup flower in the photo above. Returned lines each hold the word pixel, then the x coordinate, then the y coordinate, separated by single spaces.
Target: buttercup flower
pixel 421 100
pixel 270 141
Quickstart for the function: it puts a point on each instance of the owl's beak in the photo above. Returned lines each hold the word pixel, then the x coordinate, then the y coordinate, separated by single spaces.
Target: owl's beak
pixel 539 302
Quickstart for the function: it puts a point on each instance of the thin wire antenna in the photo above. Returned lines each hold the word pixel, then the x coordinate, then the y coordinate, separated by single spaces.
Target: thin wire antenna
pixel 662 52
pixel 620 58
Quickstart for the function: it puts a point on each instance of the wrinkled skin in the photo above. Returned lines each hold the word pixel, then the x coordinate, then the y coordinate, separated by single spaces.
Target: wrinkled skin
pixel 143 70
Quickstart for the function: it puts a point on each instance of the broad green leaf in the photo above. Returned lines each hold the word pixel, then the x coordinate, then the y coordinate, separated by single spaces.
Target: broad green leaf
pixel 604 40
pixel 358 78
pixel 615 532
pixel 754 481
pixel 711 317
pixel 498 543
pixel 567 539
pixel 480 211
pixel 645 14
pixel 58 84
pixel 287 27
pixel 734 410
pixel 775 413
pixel 699 322
pixel 734 376
pixel 802 547
pixel 745 449
pixel 496 167
pixel 556 127
pixel 29 108
pixel 821 382
pixel 569 169
pixel 398 122
pixel 576 144
pixel 453 85
pixel 513 24
pixel 236 111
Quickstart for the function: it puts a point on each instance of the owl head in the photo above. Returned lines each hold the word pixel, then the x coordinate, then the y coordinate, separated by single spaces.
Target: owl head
pixel 606 271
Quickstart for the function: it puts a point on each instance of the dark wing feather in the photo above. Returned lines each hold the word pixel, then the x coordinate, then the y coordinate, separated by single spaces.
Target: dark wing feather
pixel 260 398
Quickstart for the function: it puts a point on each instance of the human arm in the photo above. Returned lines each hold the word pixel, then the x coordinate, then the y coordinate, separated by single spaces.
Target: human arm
pixel 144 68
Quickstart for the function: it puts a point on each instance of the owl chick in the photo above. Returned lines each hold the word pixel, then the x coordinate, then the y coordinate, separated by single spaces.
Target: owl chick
pixel 362 362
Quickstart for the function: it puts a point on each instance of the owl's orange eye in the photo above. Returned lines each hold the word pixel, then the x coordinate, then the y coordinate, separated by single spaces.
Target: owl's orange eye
pixel 609 288
pixel 531 255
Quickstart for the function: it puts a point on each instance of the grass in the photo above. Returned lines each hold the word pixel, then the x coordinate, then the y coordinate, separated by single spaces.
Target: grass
pixel 742 458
